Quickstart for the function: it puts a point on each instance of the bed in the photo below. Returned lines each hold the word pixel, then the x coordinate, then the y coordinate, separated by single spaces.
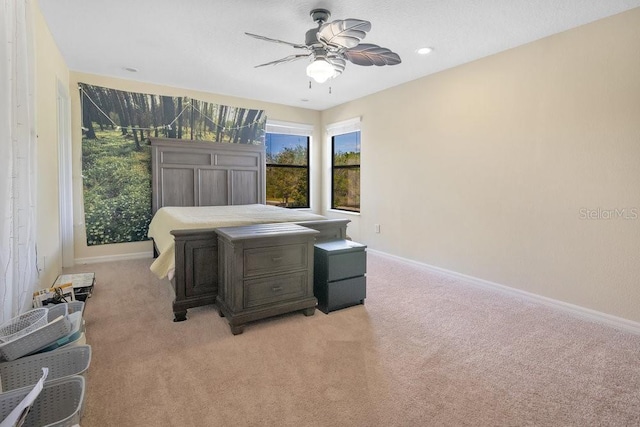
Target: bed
pixel 197 187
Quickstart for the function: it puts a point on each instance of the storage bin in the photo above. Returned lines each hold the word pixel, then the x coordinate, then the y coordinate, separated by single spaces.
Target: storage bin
pixel 81 340
pixel 63 362
pixel 23 324
pixel 36 340
pixel 59 404
pixel 63 309
pixel 77 328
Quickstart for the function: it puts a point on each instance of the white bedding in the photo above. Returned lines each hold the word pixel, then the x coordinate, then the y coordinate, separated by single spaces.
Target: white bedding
pixel 183 218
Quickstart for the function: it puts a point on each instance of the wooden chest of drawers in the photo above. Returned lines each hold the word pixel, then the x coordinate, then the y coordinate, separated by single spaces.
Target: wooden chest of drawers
pixel 266 270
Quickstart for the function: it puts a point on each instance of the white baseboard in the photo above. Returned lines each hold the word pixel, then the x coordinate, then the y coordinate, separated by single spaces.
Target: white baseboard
pixel 109 258
pixel 576 310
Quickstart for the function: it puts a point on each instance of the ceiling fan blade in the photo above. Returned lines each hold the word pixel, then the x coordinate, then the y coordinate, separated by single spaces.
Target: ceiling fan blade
pixel 371 54
pixel 285 59
pixel 296 45
pixel 338 63
pixel 343 33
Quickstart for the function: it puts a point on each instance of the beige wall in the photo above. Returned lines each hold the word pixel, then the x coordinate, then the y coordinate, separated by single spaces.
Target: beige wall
pixel 484 169
pixel 50 69
pixel 273 111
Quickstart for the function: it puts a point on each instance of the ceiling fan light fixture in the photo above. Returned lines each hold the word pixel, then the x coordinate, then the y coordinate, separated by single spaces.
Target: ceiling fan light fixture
pixel 320 70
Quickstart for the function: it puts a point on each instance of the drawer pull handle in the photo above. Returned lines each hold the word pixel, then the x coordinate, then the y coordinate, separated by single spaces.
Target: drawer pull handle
pixel 276 288
pixel 276 258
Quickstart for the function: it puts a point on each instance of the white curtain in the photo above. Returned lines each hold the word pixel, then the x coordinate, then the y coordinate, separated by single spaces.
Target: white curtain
pixel 18 261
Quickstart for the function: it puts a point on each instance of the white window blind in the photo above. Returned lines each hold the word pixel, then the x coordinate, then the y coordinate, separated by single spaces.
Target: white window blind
pixel 346 126
pixel 288 128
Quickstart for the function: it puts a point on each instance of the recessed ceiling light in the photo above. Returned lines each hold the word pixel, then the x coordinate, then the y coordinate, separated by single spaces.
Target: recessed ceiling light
pixel 304 100
pixel 424 50
pixel 131 69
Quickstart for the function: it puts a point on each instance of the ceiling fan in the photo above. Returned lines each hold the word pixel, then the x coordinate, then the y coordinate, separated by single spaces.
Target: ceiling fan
pixel 331 44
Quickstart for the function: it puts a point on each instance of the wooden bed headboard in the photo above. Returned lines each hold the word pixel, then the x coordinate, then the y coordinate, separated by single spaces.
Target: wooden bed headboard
pixel 204 173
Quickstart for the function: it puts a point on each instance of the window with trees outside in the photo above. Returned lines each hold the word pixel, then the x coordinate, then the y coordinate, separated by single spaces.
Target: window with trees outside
pixel 287 170
pixel 345 172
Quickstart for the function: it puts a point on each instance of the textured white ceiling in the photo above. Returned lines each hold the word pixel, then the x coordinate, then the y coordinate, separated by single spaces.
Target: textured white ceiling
pixel 201 45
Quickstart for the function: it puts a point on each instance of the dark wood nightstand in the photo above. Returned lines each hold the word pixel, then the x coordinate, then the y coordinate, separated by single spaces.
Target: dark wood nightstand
pixel 267 270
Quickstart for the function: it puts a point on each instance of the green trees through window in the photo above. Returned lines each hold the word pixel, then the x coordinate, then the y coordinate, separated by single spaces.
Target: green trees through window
pixel 345 172
pixel 287 170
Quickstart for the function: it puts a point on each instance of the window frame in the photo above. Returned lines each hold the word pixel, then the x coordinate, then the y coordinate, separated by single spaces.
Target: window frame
pixel 299 130
pixel 333 129
pixel 335 167
pixel 286 166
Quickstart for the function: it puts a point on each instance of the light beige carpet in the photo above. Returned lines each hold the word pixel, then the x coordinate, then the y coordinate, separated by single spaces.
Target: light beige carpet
pixel 425 350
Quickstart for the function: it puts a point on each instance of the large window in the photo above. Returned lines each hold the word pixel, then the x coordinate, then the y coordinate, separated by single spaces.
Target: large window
pixel 287 170
pixel 345 172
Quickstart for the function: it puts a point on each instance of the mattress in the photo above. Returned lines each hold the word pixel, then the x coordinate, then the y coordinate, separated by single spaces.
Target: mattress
pixel 188 218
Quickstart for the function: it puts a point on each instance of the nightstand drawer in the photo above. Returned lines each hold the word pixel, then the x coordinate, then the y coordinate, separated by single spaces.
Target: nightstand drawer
pixel 345 265
pixel 343 293
pixel 274 259
pixel 273 289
